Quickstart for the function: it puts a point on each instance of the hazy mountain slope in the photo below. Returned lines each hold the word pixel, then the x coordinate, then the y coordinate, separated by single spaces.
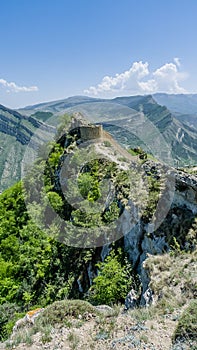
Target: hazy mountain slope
pixel 62 106
pixel 59 106
pixel 181 138
pixel 188 119
pixel 16 131
pixel 183 106
pixel 181 103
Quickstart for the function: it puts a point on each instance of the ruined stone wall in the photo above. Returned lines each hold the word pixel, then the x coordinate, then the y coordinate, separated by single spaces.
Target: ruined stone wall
pixel 90 132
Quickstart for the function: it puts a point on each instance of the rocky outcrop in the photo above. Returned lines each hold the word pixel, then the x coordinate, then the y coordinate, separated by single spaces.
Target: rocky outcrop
pixel 28 319
pixel 186 191
pixel 143 234
pixel 139 242
pixel 131 300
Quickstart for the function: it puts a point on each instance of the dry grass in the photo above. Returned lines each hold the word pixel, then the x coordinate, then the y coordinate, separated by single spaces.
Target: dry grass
pixel 173 278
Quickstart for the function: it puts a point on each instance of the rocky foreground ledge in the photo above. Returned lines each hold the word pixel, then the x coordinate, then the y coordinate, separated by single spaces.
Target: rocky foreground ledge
pixel 142 329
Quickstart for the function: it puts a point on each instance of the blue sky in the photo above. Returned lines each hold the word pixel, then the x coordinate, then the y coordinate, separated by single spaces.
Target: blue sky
pixel 54 49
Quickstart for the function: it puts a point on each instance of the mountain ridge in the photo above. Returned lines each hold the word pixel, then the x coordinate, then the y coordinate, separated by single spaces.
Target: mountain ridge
pixel 121 116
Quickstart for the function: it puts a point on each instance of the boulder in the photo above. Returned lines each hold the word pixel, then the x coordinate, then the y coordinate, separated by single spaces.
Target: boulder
pixel 131 300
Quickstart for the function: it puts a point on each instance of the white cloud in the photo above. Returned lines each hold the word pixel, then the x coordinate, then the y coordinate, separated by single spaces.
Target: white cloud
pixel 127 80
pixel 139 80
pixel 168 78
pixel 12 87
pixel 177 61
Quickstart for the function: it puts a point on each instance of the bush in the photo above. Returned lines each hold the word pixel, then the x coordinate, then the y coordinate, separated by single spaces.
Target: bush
pixel 113 281
pixel 57 312
pixel 187 325
pixel 9 314
pixel 107 143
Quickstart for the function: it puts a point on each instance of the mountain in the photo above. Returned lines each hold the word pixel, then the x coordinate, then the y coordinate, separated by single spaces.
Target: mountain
pixel 16 132
pixel 183 106
pixel 124 118
pixel 59 106
pixel 181 139
pixel 100 231
pixel 133 121
pixel 180 103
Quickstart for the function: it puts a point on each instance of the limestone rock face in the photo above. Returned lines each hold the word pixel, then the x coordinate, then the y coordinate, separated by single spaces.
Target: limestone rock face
pixel 141 235
pixel 139 238
pixel 186 191
pixel 139 242
pixel 132 243
pixel 131 300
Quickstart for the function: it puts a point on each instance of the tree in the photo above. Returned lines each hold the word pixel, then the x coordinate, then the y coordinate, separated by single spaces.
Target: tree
pixel 113 281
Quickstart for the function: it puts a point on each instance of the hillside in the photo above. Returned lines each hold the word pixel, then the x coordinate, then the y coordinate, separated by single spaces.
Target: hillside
pixel 180 138
pixel 97 223
pixel 127 113
pixel 16 131
pixel 180 103
pixel 59 106
pixel 183 106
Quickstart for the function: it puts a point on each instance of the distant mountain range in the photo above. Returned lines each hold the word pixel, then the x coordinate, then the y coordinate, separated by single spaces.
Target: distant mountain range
pixel 183 106
pixel 152 122
pixel 180 103
pixel 122 116
pixel 176 103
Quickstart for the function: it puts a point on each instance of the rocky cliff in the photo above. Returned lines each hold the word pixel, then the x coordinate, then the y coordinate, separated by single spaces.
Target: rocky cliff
pixel 168 206
pixel 105 197
pixel 178 224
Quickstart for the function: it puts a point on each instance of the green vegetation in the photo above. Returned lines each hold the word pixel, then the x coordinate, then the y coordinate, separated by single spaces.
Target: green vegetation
pixel 59 311
pixel 154 189
pixel 113 281
pixel 139 152
pixel 89 187
pixel 107 143
pixel 9 314
pixel 44 116
pixel 37 270
pixel 187 324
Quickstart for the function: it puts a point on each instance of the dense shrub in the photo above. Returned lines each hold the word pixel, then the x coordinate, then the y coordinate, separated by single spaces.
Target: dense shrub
pixel 113 281
pixel 59 310
pixel 187 324
pixel 9 313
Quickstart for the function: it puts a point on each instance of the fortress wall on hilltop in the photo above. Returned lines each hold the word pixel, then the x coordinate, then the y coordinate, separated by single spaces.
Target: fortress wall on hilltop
pixel 89 132
pixel 96 132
